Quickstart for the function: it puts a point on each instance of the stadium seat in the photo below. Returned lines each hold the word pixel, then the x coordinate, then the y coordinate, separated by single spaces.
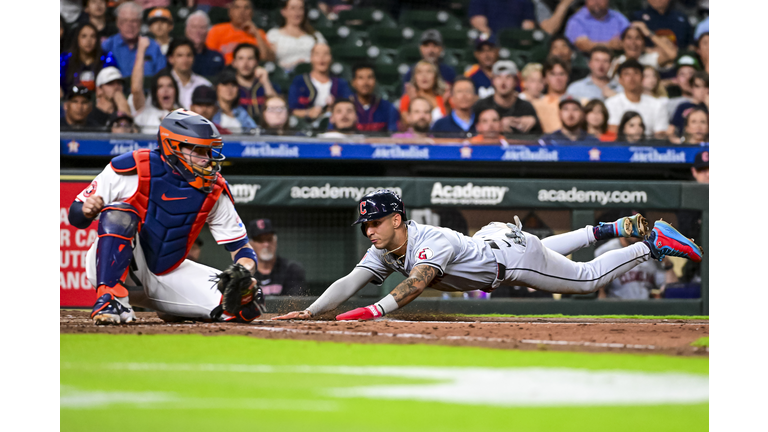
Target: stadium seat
pixel 421 20
pixel 278 77
pixel 455 39
pixel 387 74
pixel 218 15
pixel 317 19
pixel 364 18
pixel 339 35
pixel 388 37
pixel 353 52
pixel 409 54
pixel 301 68
pixel 521 39
pixel 459 9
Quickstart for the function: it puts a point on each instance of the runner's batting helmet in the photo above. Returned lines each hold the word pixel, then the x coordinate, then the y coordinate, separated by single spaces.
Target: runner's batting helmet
pixel 378 204
pixel 187 128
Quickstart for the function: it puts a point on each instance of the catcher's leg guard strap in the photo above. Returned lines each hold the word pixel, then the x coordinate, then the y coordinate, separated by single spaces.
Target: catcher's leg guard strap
pixel 118 225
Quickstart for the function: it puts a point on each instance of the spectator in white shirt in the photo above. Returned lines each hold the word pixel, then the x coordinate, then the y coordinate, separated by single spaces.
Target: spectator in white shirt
pixel 164 94
pixel 294 38
pixel 652 111
pixel 181 56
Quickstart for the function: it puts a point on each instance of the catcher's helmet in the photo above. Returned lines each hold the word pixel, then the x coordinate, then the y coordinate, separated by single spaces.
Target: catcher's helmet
pixel 187 128
pixel 378 204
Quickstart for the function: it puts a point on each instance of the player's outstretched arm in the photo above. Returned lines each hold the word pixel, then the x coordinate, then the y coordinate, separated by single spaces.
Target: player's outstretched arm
pixel 336 294
pixel 421 276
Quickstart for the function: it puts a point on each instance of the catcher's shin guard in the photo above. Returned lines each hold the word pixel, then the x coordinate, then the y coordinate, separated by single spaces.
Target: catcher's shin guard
pixel 118 224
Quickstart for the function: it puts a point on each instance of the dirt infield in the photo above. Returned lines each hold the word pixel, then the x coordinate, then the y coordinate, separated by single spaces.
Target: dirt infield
pixel 671 337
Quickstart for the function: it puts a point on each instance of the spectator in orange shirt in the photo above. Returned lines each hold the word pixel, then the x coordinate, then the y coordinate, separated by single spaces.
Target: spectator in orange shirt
pixel 427 83
pixel 548 107
pixel 225 37
pixel 488 127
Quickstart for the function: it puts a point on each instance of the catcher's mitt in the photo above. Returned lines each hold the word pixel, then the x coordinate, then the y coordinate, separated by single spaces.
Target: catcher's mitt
pixel 237 286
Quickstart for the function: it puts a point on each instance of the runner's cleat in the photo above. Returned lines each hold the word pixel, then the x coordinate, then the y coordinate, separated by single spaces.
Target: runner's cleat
pixel 109 310
pixel 665 240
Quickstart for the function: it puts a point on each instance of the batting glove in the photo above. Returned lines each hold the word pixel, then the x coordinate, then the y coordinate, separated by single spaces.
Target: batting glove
pixel 364 313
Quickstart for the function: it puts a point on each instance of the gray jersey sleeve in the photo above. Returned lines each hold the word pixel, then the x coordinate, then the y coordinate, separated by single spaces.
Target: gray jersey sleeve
pixel 372 262
pixel 340 291
pixel 436 248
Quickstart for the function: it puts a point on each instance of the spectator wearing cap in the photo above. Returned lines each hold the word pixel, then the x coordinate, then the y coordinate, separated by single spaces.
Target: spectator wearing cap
pixel 252 80
pixel 82 63
pixel 595 24
pixel 548 106
pixel 124 45
pixel 374 114
pixel 207 62
pixel 163 97
pixel 700 168
pixel 204 103
pixel 632 99
pixel 343 121
pixel 572 119
pixel 680 89
pixel 486 54
pixel 312 94
pixel 597 85
pixel 699 84
pixel 225 37
pixel 294 36
pixel 489 17
pixel 230 114
pixel 702 49
pixel 517 116
pixel 181 56
pixel 418 118
pixel 426 83
pixel 160 23
pixel 461 120
pixel 95 13
pixel 77 107
pixel 633 40
pixel 109 95
pixel 665 21
pixel 533 82
pixel 276 274
pixel 121 122
pixel 431 49
pixel 488 128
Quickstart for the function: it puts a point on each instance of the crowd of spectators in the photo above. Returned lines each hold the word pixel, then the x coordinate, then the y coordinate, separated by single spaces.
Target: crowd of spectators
pixel 640 75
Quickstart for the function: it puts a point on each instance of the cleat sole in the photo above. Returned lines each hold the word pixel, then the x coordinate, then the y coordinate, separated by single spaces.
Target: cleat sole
pixel 670 232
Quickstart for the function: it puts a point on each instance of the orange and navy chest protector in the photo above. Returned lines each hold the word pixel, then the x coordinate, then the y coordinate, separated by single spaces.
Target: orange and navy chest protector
pixel 171 212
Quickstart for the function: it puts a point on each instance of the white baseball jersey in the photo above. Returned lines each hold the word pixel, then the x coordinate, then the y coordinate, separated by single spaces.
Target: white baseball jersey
pixel 637 282
pixel 223 220
pixel 463 263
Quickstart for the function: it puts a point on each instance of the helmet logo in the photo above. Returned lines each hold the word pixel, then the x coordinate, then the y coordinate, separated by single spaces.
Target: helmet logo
pixel 425 253
pixel 362 208
pixel 260 224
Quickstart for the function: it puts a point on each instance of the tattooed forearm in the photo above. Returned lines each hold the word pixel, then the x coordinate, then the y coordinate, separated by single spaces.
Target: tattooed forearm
pixel 421 276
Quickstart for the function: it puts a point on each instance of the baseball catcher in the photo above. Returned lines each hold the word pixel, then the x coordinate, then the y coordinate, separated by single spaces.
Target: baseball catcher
pixel 151 206
pixel 498 254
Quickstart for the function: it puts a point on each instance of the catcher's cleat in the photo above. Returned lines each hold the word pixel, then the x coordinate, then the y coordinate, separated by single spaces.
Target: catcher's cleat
pixel 665 240
pixel 109 310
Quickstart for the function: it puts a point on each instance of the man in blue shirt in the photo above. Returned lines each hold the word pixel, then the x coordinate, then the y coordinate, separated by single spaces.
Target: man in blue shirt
pixel 124 44
pixel 486 53
pixel 665 21
pixel 374 114
pixel 207 62
pixel 489 17
pixel 572 118
pixel 597 85
pixel 595 24
pixel 431 49
pixel 462 119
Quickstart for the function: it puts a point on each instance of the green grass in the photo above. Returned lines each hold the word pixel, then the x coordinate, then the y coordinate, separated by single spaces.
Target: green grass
pixel 701 342
pixel 672 317
pixel 290 401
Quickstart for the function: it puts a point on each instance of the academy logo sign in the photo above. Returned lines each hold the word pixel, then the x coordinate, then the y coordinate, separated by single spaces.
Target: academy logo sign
pixel 467 194
pixel 651 155
pixel 602 197
pixel 336 192
pixel 244 193
pixel 397 152
pixel 268 151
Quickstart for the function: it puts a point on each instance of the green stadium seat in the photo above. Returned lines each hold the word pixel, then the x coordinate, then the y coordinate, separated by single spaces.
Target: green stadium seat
pixel 387 74
pixel 364 18
pixel 387 37
pixel 421 20
pixel 218 15
pixel 352 53
pixel 301 68
pixel 459 9
pixel 317 19
pixel 455 39
pixel 278 76
pixel 521 39
pixel 340 35
pixel 409 54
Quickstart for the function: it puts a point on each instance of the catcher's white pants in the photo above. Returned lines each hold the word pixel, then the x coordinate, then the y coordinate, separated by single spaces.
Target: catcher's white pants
pixel 185 292
pixel 542 264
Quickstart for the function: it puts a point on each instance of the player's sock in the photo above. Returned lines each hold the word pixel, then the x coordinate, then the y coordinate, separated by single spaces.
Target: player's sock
pixel 606 230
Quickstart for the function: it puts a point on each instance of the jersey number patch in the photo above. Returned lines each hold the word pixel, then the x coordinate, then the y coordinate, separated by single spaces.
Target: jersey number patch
pixel 424 253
